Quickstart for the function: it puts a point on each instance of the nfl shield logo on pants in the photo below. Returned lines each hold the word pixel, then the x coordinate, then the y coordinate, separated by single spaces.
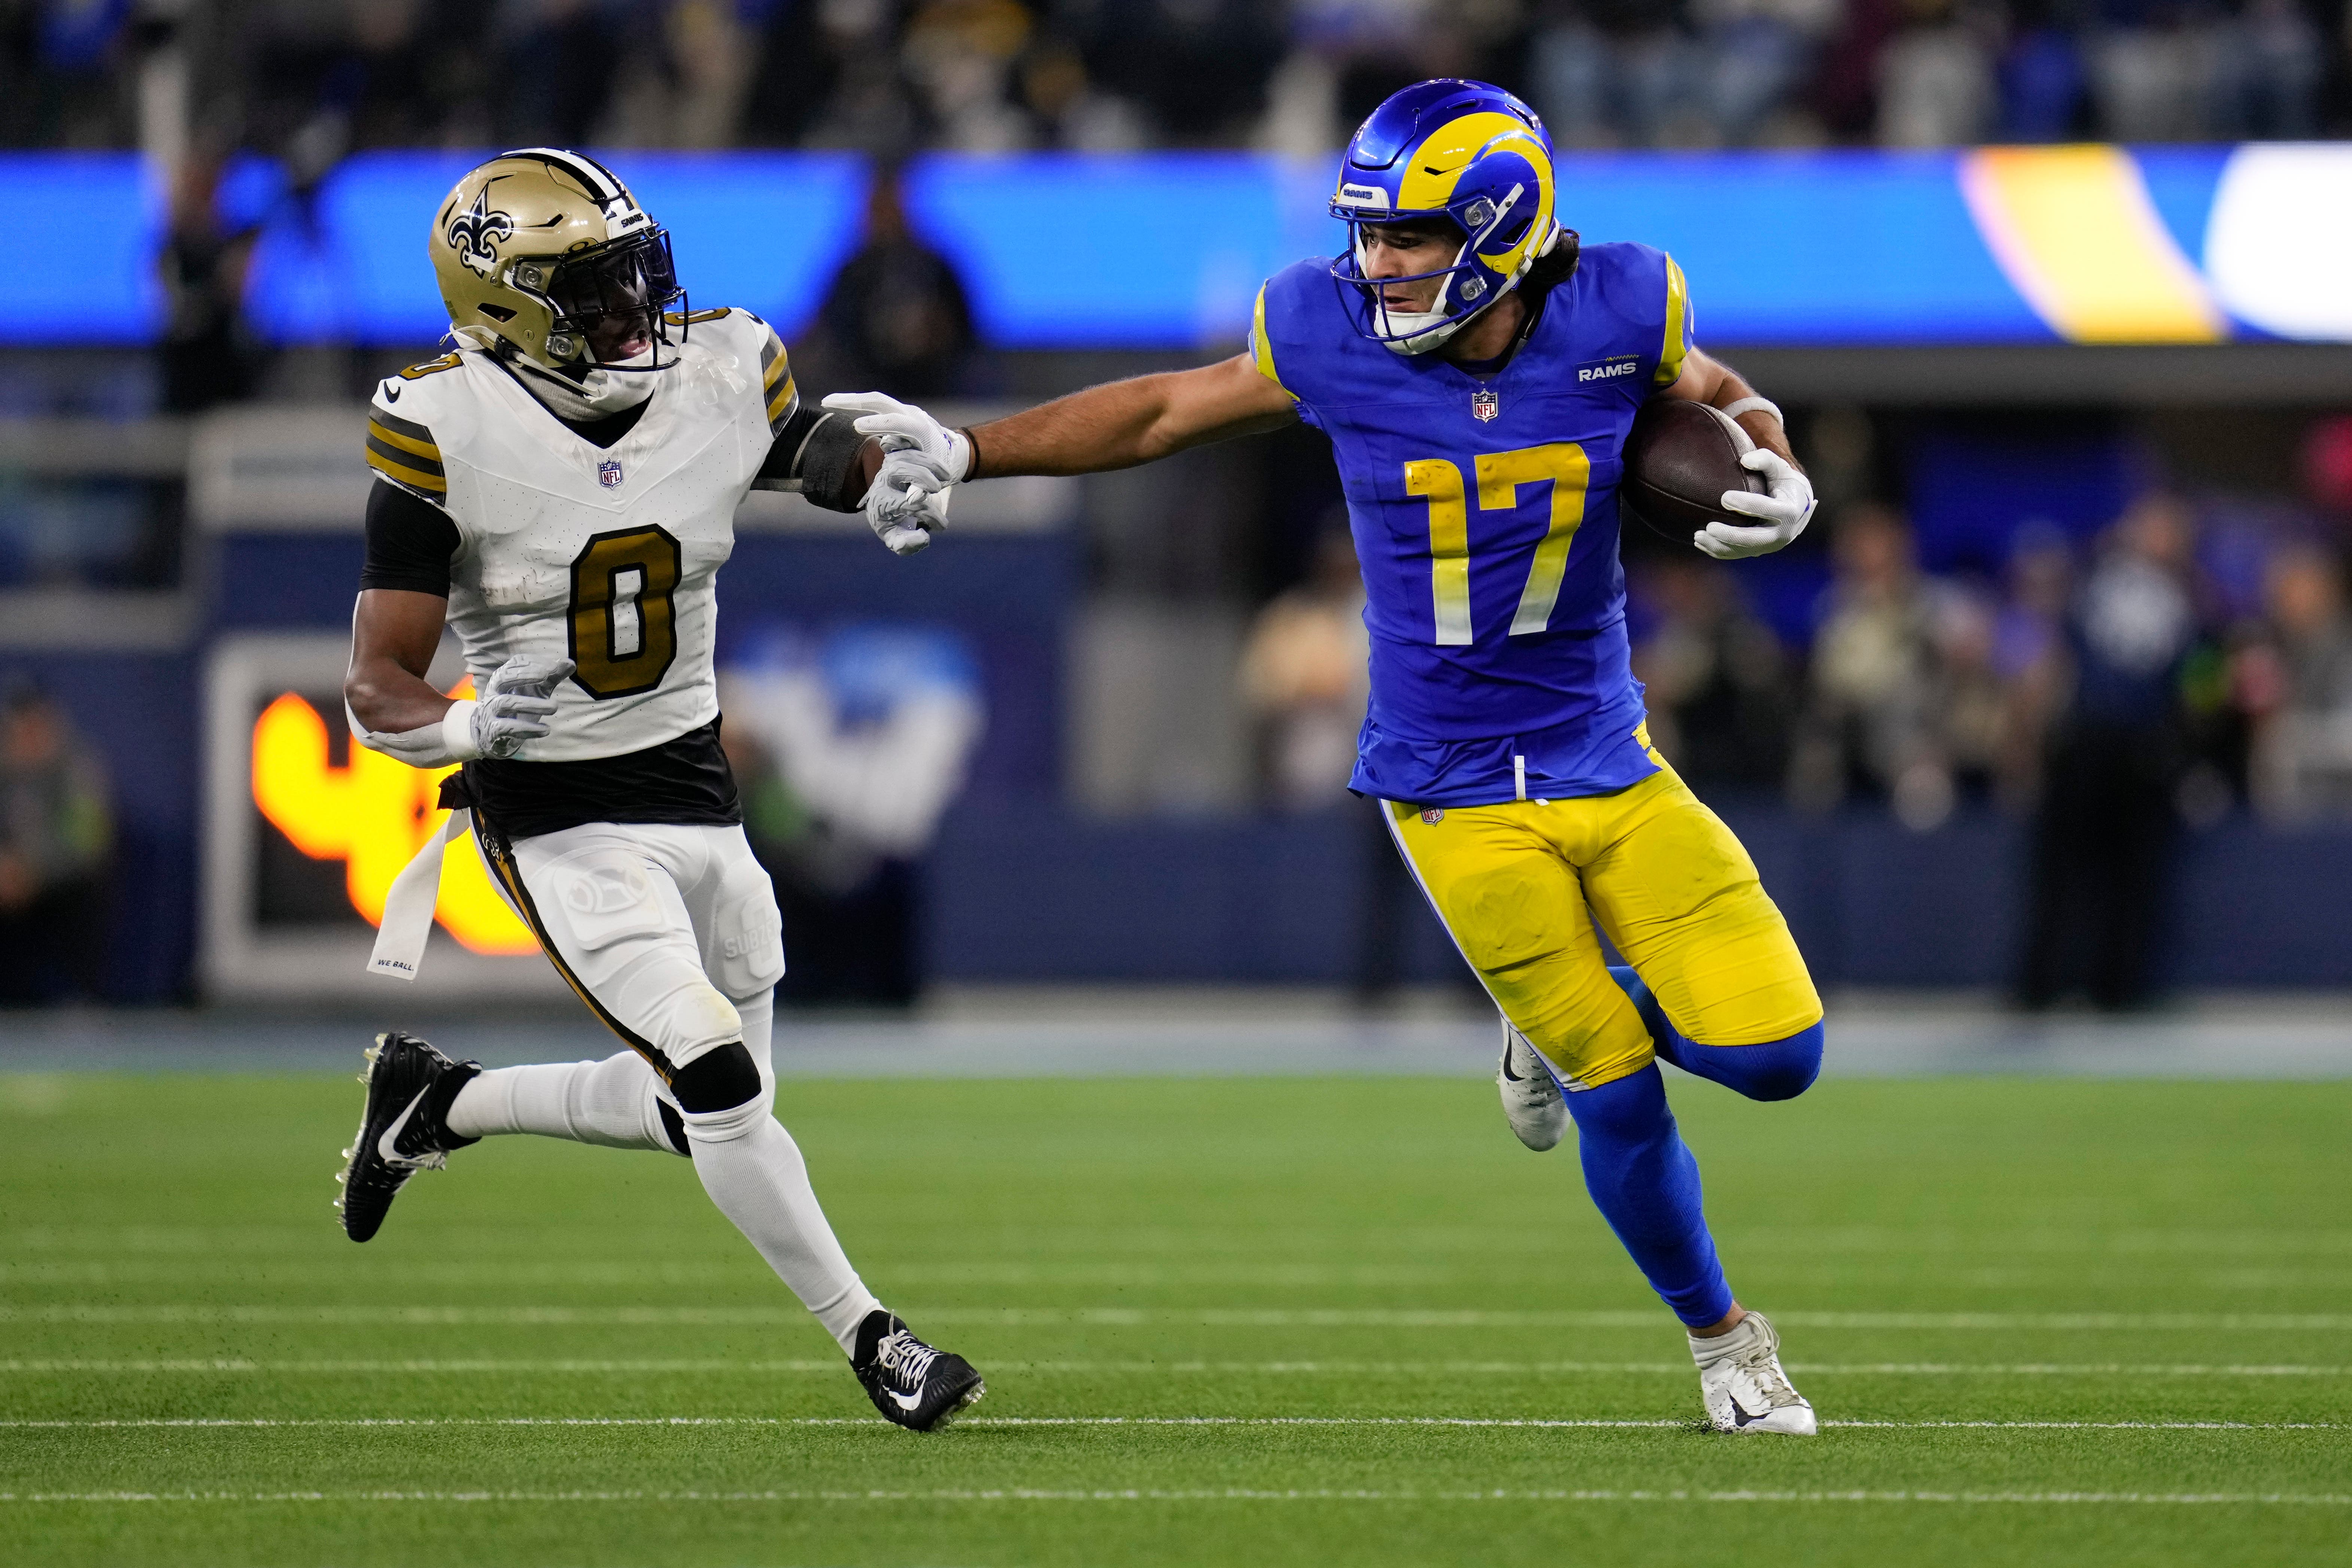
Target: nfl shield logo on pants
pixel 1486 402
pixel 608 474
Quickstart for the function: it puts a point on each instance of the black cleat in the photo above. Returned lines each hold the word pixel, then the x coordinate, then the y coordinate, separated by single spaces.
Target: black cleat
pixel 401 1129
pixel 909 1382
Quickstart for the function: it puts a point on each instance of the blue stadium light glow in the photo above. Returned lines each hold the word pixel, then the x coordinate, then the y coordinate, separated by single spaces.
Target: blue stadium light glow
pixel 1165 250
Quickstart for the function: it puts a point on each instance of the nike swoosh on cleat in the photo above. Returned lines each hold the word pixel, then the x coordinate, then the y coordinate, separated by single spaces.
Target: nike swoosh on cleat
pixel 386 1147
pixel 1740 1417
pixel 906 1402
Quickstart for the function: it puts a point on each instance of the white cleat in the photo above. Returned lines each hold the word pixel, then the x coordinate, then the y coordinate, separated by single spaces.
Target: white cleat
pixel 1739 1377
pixel 1532 1102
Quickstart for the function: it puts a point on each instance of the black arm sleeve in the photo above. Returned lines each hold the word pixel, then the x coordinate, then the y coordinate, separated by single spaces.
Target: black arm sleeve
pixel 409 542
pixel 816 454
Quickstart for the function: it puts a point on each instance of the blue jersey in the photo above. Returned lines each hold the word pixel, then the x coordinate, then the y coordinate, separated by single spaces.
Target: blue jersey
pixel 1485 515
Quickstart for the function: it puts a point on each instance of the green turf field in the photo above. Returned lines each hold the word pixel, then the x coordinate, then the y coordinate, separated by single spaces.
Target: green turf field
pixel 1269 1321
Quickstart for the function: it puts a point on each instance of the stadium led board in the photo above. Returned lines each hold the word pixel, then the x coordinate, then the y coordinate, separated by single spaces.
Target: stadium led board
pixel 305 831
pixel 2003 245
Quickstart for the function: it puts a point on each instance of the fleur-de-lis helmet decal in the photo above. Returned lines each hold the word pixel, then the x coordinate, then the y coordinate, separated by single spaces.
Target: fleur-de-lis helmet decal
pixel 561 250
pixel 474 233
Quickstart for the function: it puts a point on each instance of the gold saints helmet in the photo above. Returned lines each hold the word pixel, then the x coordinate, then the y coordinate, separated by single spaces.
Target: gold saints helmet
pixel 540 247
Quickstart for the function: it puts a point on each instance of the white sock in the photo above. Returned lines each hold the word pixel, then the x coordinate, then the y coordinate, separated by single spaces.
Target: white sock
pixel 610 1102
pixel 755 1172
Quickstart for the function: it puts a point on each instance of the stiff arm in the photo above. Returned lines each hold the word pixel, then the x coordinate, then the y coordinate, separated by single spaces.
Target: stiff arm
pixel 1124 423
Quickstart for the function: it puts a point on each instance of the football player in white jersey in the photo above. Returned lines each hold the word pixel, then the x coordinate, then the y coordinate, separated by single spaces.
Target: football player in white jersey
pixel 560 489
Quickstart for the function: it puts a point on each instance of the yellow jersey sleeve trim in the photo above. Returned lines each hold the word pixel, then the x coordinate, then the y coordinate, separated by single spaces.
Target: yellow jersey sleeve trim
pixel 1261 350
pixel 408 478
pixel 412 440
pixel 1677 336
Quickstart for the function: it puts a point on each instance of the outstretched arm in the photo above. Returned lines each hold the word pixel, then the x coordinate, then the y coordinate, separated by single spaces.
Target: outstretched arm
pixel 1123 423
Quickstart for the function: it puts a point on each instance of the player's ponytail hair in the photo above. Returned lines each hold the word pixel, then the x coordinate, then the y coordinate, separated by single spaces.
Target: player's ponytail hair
pixel 1554 265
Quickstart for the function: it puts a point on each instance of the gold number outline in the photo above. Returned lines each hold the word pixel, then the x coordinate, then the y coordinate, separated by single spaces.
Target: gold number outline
pixel 588 620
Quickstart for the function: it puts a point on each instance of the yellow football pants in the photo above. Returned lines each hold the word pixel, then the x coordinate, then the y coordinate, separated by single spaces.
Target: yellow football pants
pixel 1519 886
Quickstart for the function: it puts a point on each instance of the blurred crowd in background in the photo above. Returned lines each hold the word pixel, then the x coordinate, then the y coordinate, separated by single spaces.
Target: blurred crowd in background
pixel 2191 660
pixel 309 80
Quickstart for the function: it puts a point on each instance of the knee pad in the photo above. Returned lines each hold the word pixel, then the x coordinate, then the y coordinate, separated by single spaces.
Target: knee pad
pixel 718 1080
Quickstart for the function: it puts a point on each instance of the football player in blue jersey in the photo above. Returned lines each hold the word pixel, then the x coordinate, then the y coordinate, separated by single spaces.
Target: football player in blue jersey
pixel 1477 372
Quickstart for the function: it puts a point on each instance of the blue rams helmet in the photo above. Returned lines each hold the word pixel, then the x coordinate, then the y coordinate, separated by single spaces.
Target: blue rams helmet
pixel 1461 151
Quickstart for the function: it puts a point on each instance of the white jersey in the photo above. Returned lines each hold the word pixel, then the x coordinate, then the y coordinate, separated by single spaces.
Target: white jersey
pixel 607 556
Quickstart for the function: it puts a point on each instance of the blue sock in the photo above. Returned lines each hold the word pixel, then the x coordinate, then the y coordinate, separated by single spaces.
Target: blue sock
pixel 1781 1069
pixel 1644 1179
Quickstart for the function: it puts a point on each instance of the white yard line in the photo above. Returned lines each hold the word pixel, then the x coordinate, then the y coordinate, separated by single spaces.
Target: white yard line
pixel 1207 1317
pixel 829 1366
pixel 1023 1494
pixel 1023 1421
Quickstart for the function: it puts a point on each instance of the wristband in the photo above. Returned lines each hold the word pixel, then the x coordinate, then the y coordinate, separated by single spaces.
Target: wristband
pixel 457 730
pixel 1754 405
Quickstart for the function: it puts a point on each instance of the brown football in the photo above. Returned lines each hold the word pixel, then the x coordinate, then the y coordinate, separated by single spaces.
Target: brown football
pixel 1679 459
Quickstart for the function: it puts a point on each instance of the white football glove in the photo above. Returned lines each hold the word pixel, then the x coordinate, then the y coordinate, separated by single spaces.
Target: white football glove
pixel 513 707
pixel 908 502
pixel 509 712
pixel 902 427
pixel 1785 508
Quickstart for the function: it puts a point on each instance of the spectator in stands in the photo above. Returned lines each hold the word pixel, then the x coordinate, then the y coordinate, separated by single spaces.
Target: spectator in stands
pixel 1755 57
pixel 1607 73
pixel 2303 747
pixel 2105 841
pixel 959 55
pixel 1304 681
pixel 1936 77
pixel 896 318
pixel 79 86
pixel 2041 75
pixel 1197 69
pixel 2267 78
pixel 1870 719
pixel 2165 71
pixel 2029 656
pixel 57 830
pixel 559 61
pixel 1972 711
pixel 208 355
pixel 1721 694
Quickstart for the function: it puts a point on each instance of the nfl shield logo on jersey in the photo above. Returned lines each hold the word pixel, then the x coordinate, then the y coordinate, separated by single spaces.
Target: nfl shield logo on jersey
pixel 1433 815
pixel 608 474
pixel 1486 402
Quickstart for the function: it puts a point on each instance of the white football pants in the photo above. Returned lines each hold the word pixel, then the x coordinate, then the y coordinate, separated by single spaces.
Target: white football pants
pixel 671 936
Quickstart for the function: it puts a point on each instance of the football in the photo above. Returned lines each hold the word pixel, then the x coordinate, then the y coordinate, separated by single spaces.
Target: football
pixel 1679 459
